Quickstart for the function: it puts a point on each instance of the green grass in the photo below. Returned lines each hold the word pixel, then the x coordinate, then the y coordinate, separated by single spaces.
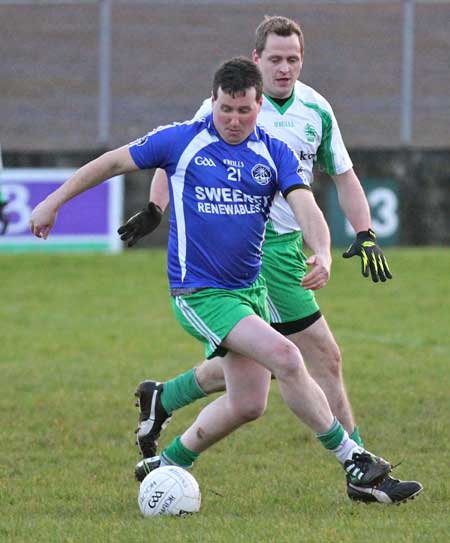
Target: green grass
pixel 79 332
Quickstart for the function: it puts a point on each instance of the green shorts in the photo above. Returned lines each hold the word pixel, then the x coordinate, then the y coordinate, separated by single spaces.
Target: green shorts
pixel 283 268
pixel 211 313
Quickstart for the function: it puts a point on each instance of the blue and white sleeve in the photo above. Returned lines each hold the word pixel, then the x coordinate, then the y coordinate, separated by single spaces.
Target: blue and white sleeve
pixel 153 149
pixel 290 175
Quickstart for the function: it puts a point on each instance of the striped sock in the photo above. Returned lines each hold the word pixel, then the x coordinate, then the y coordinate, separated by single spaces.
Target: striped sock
pixel 337 440
pixel 356 437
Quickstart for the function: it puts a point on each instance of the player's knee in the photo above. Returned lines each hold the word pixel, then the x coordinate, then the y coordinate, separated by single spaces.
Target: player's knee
pixel 250 410
pixel 334 360
pixel 253 412
pixel 289 362
pixel 325 360
pixel 210 377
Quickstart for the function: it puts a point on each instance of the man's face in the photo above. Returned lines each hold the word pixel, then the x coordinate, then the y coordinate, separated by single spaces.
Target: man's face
pixel 280 64
pixel 235 118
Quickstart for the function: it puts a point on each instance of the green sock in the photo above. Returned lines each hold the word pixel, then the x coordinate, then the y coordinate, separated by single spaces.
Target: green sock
pixel 332 438
pixel 356 437
pixel 176 453
pixel 181 391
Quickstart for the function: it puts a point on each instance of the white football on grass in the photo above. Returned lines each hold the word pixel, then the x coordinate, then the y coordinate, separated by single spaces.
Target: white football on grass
pixel 169 490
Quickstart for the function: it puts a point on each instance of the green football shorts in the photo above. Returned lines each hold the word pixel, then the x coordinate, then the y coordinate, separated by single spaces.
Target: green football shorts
pixel 211 313
pixel 283 268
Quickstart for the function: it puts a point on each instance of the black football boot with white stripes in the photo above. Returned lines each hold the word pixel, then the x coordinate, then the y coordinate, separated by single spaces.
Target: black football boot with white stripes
pixel 365 468
pixel 368 481
pixel 388 490
pixel 153 418
pixel 145 466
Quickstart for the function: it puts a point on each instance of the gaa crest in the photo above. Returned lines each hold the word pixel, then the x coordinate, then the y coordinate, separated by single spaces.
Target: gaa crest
pixel 261 174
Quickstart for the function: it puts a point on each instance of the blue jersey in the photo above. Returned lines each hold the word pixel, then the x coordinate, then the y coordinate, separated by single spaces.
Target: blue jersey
pixel 220 198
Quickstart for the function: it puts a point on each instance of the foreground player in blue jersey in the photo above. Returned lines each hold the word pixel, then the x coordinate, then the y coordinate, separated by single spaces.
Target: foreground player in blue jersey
pixel 300 116
pixel 214 259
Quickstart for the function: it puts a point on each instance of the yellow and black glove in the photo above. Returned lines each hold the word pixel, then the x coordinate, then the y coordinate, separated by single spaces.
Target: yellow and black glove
pixel 140 224
pixel 372 258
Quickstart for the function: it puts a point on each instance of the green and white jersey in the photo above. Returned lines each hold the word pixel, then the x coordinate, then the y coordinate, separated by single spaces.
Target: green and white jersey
pixel 307 124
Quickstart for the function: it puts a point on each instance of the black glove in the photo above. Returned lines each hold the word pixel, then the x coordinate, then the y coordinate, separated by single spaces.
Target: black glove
pixel 140 224
pixel 4 221
pixel 372 258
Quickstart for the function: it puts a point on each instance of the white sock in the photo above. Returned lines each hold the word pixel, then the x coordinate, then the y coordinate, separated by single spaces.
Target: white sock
pixel 344 451
pixel 164 461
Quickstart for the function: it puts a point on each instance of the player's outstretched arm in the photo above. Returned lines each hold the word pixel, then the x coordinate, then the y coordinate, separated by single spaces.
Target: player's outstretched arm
pixel 317 236
pixel 148 219
pixel 108 165
pixel 353 202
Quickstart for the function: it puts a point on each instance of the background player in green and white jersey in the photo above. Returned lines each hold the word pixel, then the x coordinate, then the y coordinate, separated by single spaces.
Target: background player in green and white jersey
pixel 297 114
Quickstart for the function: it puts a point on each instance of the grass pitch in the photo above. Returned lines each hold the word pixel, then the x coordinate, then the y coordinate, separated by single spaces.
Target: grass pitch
pixel 79 332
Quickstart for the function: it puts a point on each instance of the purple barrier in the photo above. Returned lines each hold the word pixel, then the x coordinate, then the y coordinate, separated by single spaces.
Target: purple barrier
pixel 87 223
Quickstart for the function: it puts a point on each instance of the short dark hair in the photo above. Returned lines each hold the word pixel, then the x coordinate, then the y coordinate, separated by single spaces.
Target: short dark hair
pixel 281 26
pixel 236 76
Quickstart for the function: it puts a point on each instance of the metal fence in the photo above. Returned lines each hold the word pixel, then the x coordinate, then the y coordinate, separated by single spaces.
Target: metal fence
pixel 80 75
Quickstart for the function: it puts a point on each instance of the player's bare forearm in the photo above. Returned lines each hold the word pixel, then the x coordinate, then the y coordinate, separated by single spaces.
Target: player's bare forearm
pixel 159 190
pixel 108 165
pixel 317 235
pixel 354 203
pixel 93 173
pixel 352 200
pixel 311 220
pixel 145 221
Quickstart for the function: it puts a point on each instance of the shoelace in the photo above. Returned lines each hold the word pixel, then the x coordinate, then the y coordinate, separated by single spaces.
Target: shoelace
pixel 359 461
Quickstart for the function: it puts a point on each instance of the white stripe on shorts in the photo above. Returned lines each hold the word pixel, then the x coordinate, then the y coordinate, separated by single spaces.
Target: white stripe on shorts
pixel 274 315
pixel 197 323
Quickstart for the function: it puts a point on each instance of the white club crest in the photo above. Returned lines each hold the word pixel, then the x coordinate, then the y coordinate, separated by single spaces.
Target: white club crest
pixel 261 174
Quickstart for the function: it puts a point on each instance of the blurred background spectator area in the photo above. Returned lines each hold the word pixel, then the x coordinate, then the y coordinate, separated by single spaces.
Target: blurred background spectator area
pixel 80 76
